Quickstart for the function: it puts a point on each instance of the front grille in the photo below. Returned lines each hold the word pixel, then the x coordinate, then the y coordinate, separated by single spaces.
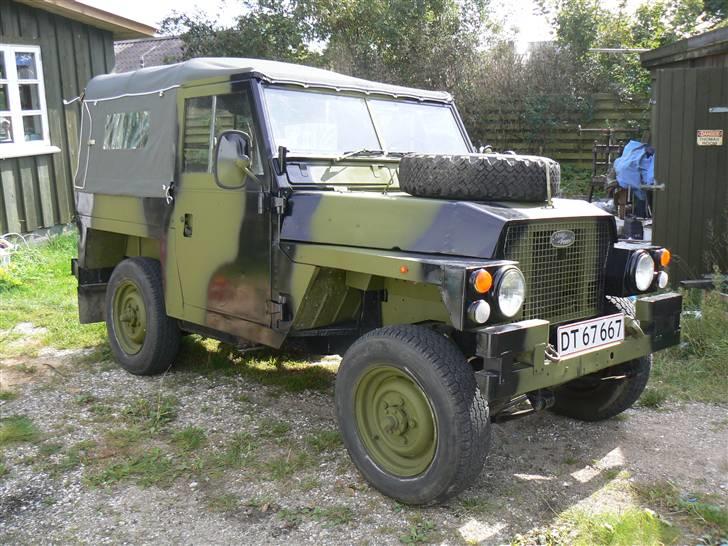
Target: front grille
pixel 563 284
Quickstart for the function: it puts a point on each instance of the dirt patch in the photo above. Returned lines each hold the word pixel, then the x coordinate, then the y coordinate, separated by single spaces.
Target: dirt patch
pixel 219 458
pixel 29 360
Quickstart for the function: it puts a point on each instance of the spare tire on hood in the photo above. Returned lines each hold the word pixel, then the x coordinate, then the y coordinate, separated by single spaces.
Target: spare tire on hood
pixel 479 177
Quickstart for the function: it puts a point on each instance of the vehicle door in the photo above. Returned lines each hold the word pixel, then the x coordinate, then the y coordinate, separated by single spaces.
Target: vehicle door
pixel 222 235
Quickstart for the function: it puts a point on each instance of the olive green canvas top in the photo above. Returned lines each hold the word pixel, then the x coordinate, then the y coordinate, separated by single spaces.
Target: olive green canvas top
pixel 129 120
pixel 158 78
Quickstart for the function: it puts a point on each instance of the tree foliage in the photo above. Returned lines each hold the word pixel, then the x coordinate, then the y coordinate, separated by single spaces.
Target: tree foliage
pixel 457 45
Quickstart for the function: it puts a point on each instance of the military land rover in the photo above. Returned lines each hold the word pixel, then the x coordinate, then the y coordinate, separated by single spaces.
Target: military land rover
pixel 257 202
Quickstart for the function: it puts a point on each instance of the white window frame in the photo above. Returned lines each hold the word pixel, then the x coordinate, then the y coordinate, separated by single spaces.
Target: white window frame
pixel 19 144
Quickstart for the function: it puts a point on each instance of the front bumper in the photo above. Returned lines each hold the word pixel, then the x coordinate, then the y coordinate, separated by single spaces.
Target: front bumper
pixel 514 355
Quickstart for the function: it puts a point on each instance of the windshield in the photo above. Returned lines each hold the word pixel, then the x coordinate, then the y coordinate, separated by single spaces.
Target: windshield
pixel 325 124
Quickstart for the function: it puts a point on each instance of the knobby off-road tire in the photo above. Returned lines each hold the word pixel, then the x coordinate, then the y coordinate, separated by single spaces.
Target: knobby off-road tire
pixel 411 415
pixel 591 398
pixel 143 339
pixel 479 177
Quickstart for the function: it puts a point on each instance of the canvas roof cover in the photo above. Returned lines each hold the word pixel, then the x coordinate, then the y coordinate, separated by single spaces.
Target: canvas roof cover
pixel 151 94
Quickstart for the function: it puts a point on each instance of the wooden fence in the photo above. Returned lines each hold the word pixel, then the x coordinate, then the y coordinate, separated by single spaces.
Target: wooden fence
pixel 516 126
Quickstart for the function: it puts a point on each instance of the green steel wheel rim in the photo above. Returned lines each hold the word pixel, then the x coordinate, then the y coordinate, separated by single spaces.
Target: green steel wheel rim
pixel 395 421
pixel 130 317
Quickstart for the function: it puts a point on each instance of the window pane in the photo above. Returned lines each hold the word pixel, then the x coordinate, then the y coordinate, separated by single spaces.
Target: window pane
pixel 25 63
pixel 414 127
pixel 29 99
pixel 198 118
pixel 320 122
pixel 4 103
pixel 233 112
pixel 3 72
pixel 6 129
pixel 33 127
pixel 126 130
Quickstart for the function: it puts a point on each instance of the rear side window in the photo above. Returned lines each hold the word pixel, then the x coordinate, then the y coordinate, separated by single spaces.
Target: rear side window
pixel 197 137
pixel 126 130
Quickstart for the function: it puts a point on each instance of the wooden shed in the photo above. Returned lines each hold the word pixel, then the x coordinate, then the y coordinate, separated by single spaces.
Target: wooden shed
pixel 49 49
pixel 689 128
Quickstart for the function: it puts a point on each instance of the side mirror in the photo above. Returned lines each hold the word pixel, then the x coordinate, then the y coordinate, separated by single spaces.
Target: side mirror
pixel 232 159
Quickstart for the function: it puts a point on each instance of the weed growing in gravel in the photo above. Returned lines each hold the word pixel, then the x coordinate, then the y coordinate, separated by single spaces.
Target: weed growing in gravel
pixel 3 469
pixel 330 516
pixel 223 503
pixel 285 466
pixel 7 395
pixel 84 399
pixel 653 398
pixel 152 414
pixel 152 468
pixel 324 440
pixel 44 294
pixel 273 428
pixel 240 452
pixel 477 505
pixel 16 429
pixel 420 531
pixel 73 457
pixel 706 517
pixel 189 439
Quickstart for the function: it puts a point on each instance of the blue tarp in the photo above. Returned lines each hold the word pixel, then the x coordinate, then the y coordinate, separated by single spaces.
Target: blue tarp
pixel 635 167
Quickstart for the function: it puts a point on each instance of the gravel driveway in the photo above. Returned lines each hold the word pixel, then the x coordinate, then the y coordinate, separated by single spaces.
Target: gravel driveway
pixel 220 456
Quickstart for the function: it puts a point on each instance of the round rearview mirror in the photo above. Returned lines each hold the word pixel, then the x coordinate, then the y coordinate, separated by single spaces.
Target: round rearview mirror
pixel 232 159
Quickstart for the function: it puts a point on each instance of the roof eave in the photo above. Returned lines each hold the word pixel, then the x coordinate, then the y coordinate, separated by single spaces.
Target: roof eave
pixel 713 42
pixel 121 27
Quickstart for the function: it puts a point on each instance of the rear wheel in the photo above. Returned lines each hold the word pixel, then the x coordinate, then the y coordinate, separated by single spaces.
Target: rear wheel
pixel 143 339
pixel 604 394
pixel 609 392
pixel 411 415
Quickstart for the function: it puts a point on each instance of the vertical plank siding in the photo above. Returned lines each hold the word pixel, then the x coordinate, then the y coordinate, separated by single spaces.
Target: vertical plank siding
pixel 37 191
pixel 691 216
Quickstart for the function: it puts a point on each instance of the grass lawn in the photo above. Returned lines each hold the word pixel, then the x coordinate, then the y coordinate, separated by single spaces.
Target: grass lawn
pixel 38 288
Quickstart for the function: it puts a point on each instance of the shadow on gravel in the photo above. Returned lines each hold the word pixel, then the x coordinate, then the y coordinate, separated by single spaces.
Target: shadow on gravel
pixel 293 371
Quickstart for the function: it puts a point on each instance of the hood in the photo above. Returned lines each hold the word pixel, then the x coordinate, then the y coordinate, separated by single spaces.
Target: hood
pixel 398 221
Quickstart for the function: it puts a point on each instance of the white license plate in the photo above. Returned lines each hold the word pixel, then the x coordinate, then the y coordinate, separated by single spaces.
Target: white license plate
pixel 582 336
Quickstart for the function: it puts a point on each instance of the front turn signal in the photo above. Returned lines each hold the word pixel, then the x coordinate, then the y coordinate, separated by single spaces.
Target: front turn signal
pixel 482 281
pixel 665 257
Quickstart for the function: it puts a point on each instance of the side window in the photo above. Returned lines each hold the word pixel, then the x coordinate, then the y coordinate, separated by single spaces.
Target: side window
pixel 126 130
pixel 198 124
pixel 233 112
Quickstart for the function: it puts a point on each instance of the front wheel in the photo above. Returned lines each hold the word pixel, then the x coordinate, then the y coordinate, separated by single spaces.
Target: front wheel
pixel 604 394
pixel 143 339
pixel 411 415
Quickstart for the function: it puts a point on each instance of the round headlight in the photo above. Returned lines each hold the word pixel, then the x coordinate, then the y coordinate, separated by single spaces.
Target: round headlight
pixel 662 279
pixel 643 271
pixel 511 292
pixel 479 311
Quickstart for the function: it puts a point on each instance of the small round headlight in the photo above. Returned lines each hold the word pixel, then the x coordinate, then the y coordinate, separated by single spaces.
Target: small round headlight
pixel 479 311
pixel 662 279
pixel 643 271
pixel 511 292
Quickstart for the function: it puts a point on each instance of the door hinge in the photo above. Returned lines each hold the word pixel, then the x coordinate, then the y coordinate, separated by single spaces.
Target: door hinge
pixel 279 205
pixel 279 311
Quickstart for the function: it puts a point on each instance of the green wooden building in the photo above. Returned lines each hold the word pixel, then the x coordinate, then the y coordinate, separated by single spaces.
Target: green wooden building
pixel 49 49
pixel 690 134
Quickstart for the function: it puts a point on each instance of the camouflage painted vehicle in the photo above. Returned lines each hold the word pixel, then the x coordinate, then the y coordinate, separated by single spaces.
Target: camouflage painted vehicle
pixel 254 201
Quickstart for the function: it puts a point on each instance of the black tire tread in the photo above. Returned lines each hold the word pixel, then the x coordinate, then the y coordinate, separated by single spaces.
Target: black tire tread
pixel 479 177
pixel 165 334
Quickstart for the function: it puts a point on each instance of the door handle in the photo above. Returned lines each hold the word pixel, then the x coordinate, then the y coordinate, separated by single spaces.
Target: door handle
pixel 187 219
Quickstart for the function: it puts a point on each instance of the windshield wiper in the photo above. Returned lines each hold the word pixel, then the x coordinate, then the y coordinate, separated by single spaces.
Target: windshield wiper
pixel 360 153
